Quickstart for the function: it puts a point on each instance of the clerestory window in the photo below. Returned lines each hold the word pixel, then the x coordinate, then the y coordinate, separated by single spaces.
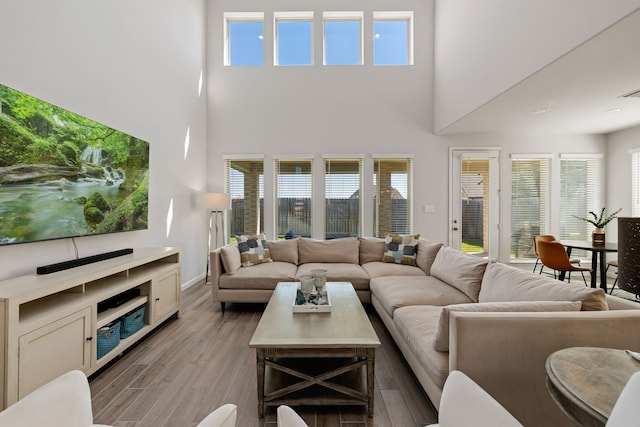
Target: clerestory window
pixel 392 38
pixel 244 38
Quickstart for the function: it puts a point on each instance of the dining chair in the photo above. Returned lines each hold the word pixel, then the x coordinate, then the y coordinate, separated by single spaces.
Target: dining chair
pixel 546 238
pixel 612 263
pixel 554 256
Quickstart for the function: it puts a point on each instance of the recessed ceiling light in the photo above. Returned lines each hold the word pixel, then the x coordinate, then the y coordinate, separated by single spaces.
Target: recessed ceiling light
pixel 614 110
pixel 377 36
pixel 540 111
pixel 260 37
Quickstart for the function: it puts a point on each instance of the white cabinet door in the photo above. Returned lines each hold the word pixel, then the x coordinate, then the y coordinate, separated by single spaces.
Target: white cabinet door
pixel 165 291
pixel 54 349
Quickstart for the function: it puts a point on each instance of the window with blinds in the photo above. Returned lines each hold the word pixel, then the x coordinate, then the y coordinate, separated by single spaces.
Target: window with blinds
pixel 245 183
pixel 578 196
pixel 530 203
pixel 342 184
pixel 635 183
pixel 392 196
pixel 294 196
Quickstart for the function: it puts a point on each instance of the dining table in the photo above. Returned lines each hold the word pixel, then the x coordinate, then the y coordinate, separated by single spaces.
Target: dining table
pixel 598 260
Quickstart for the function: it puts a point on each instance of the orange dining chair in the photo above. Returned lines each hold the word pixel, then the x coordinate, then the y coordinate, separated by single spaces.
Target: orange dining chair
pixel 546 238
pixel 554 256
pixel 536 239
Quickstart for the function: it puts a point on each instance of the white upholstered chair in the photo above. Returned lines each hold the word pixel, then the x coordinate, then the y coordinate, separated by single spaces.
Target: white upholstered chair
pixel 287 417
pixel 464 404
pixel 66 402
pixel 625 410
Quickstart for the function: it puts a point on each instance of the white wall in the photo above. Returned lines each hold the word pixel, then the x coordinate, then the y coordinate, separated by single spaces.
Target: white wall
pixel 619 174
pixel 483 48
pixel 320 109
pixel 133 66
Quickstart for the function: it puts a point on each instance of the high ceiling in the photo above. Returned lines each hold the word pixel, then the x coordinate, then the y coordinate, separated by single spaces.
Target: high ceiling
pixel 580 93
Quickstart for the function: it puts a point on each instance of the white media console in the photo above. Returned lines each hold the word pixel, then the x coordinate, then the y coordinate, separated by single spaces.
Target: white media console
pixel 49 323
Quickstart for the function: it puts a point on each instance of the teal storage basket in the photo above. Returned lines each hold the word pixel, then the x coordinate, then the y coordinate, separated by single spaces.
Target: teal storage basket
pixel 132 322
pixel 108 339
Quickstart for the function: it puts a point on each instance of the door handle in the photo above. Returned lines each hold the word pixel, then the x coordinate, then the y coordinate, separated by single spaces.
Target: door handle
pixel 455 228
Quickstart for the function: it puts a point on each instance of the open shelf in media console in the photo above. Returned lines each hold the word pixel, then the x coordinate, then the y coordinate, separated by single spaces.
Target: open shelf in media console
pixel 112 314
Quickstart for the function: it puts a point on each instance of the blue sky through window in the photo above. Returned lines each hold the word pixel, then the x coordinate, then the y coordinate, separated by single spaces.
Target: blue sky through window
pixel 294 43
pixel 246 43
pixel 342 42
pixel 390 43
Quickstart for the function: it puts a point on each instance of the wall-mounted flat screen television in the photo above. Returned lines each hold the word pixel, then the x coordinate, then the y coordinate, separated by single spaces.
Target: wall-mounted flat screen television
pixel 64 175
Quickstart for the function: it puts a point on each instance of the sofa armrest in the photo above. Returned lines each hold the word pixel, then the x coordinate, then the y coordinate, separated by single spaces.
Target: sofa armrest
pixel 217 269
pixel 505 353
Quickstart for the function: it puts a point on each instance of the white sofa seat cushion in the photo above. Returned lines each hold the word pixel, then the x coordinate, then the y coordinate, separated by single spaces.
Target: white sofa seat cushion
pixel 502 283
pixel 382 269
pixel 338 272
pixel 260 276
pixel 398 291
pixel 417 325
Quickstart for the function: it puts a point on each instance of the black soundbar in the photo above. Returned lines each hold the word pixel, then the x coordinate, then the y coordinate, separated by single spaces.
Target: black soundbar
pixel 52 268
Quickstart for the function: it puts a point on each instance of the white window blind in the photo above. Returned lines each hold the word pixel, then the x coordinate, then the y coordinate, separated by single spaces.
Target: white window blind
pixel 245 183
pixel 392 196
pixel 530 203
pixel 578 195
pixel 635 183
pixel 294 196
pixel 343 179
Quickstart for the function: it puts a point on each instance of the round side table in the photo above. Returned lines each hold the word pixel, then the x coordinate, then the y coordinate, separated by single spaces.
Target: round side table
pixel 586 382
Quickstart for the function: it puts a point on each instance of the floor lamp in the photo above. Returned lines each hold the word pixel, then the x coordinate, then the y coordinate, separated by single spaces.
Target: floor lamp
pixel 216 204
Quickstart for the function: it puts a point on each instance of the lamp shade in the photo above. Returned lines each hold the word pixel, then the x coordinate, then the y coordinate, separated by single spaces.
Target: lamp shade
pixel 216 201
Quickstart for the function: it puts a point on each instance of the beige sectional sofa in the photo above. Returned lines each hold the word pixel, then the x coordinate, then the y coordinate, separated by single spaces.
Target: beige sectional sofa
pixel 349 259
pixel 452 311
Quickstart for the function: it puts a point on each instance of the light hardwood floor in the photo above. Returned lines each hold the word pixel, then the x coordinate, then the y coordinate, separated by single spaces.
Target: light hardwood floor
pixel 202 360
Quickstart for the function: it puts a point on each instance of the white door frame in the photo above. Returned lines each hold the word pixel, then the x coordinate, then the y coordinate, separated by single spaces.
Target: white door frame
pixel 456 155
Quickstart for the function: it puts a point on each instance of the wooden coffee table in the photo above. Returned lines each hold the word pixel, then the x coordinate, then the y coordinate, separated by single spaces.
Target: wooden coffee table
pixel 315 358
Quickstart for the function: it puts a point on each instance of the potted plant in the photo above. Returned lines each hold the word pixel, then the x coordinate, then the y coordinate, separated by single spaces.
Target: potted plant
pixel 599 221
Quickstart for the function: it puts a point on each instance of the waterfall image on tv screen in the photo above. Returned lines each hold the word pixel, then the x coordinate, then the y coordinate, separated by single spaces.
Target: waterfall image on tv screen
pixel 63 175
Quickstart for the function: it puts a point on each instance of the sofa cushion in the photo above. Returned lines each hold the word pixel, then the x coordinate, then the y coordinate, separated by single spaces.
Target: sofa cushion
pixel 400 249
pixel 503 282
pixel 284 250
pixel 417 324
pixel 371 249
pixel 253 249
pixel 381 269
pixel 344 250
pixel 338 272
pixel 427 252
pixel 261 276
pixel 399 291
pixel 459 270
pixel 230 256
pixel 441 337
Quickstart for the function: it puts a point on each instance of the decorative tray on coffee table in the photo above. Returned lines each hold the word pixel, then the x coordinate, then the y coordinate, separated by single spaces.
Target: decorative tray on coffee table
pixel 313 306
